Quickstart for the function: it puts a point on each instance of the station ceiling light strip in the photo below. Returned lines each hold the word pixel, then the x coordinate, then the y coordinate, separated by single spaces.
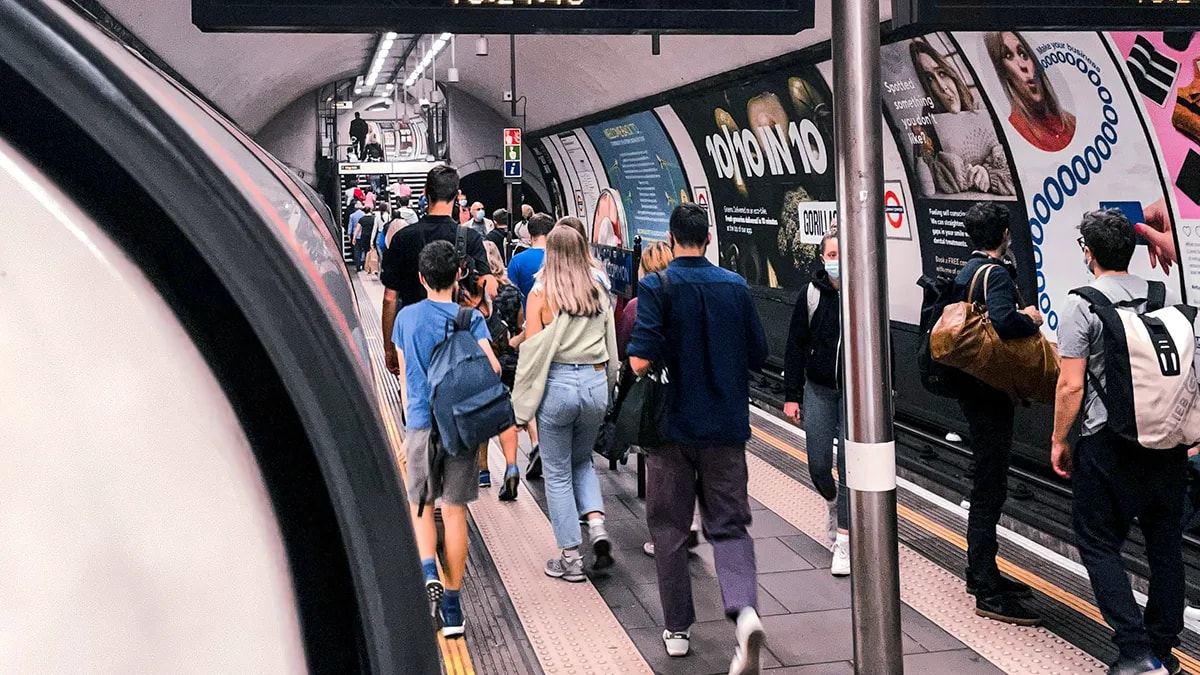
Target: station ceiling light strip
pixel 430 56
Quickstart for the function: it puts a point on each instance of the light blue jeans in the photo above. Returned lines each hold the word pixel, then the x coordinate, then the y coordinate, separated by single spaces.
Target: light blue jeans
pixel 568 420
pixel 823 424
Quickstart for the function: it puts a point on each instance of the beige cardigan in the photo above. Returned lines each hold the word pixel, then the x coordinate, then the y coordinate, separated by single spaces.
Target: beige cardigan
pixel 568 339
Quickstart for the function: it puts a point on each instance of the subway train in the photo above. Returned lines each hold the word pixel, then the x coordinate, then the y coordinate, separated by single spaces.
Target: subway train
pixel 196 475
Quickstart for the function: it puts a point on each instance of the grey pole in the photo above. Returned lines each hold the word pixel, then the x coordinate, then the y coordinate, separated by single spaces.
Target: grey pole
pixel 870 442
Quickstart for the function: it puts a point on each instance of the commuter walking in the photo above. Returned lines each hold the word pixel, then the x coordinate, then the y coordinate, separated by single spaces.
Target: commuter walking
pixel 352 221
pixel 813 384
pixel 508 306
pixel 521 229
pixel 401 278
pixel 500 234
pixel 699 321
pixel 358 135
pixel 526 264
pixel 654 259
pixel 989 413
pixel 479 220
pixel 567 368
pixel 1115 480
pixel 362 237
pixel 452 479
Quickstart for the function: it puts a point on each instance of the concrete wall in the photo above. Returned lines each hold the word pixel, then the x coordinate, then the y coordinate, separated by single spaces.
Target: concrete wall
pixel 292 136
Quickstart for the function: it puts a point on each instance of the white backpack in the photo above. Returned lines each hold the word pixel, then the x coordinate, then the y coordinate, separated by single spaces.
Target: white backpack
pixel 1150 388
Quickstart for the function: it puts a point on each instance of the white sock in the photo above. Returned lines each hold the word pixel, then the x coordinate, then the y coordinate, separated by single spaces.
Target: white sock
pixel 597 522
pixel 571 554
pixel 843 538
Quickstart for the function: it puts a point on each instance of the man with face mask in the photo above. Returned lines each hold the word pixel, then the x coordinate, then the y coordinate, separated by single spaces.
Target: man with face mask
pixel 479 220
pixel 813 391
pixel 989 412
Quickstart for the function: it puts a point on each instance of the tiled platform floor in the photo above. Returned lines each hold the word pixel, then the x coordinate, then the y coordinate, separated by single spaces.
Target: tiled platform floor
pixel 805 610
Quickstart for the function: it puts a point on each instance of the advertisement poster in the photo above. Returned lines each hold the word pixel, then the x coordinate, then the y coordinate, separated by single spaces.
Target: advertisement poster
pixel 1078 144
pixel 1164 69
pixel 585 175
pixel 643 168
pixel 952 150
pixel 767 148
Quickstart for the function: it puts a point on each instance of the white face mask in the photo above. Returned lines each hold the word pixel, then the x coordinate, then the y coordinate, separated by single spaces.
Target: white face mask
pixel 833 269
pixel 462 202
pixel 479 216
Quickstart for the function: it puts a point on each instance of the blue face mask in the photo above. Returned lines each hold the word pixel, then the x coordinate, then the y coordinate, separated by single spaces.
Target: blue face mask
pixel 462 202
pixel 834 269
pixel 479 216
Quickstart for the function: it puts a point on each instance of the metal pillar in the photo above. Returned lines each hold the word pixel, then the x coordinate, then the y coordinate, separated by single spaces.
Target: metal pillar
pixel 870 442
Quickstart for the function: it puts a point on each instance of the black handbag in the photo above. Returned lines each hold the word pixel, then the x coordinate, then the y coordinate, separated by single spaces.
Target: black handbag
pixel 607 445
pixel 642 416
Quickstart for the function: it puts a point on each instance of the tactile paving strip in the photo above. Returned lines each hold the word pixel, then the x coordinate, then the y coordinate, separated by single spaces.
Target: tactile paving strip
pixel 930 590
pixel 571 628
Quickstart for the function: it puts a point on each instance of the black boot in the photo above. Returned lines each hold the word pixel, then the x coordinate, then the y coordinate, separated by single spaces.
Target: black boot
pixel 1007 609
pixel 1170 662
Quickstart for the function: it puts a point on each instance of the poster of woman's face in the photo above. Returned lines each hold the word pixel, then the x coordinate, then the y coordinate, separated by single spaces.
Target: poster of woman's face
pixel 948 137
pixel 1035 109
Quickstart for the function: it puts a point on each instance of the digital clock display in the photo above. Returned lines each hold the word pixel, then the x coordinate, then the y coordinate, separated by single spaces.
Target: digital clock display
pixel 760 17
pixel 1047 14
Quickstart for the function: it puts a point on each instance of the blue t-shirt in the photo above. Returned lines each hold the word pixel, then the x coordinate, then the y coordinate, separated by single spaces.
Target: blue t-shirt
pixel 419 328
pixel 354 218
pixel 522 268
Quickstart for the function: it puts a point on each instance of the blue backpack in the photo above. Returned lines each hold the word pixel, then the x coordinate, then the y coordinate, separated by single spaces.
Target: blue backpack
pixel 470 405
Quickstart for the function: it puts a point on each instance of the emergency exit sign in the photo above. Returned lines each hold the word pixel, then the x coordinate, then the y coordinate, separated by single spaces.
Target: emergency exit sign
pixel 512 155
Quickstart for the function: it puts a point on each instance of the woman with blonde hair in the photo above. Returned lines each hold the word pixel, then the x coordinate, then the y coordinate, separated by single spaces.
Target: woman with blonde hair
pixel 567 368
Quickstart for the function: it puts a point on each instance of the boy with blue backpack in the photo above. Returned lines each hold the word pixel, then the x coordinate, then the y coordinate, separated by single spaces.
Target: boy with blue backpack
pixel 455 402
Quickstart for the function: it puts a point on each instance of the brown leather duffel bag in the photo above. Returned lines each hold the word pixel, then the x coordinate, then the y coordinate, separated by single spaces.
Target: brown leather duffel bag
pixel 1024 368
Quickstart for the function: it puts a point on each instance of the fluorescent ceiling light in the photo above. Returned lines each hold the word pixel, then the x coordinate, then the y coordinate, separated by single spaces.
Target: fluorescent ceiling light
pixel 390 36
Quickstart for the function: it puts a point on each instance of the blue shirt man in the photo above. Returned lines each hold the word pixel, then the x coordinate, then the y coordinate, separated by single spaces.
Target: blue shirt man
pixel 354 218
pixel 526 264
pixel 703 326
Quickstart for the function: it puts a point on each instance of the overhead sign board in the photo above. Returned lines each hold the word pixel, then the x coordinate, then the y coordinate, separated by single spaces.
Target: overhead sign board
pixel 512 154
pixel 1046 14
pixel 750 17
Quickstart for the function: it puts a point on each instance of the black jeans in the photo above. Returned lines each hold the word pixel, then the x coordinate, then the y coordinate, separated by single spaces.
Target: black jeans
pixel 1115 481
pixel 989 414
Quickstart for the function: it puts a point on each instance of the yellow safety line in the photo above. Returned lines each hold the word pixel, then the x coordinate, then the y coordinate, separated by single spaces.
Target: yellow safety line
pixel 1067 598
pixel 455 657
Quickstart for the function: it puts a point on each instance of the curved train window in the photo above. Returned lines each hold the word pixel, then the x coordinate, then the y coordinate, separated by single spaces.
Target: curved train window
pixel 139 535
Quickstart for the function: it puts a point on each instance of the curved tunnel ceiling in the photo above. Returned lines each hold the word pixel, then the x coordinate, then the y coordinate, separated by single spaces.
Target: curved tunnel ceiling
pixel 253 77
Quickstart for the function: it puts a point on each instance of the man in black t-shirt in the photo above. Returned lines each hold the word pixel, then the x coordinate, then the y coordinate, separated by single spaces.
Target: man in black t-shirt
pixel 400 278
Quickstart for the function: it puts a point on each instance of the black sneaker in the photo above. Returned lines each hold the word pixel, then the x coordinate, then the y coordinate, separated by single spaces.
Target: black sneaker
pixel 1007 587
pixel 1147 666
pixel 1006 609
pixel 1170 662
pixel 534 470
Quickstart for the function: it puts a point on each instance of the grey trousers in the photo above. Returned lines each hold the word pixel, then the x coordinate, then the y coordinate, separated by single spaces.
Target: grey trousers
pixel 676 478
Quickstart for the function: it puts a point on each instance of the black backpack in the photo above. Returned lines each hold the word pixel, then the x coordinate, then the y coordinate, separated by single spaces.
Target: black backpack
pixel 937 379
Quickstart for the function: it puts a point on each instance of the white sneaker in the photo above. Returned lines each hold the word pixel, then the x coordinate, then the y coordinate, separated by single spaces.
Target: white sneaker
pixel 840 567
pixel 677 644
pixel 833 524
pixel 750 637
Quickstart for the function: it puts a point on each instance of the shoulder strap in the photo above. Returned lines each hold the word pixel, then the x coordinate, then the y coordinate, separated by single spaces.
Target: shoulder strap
pixel 986 271
pixel 814 301
pixel 463 320
pixel 1156 295
pixel 665 285
pixel 1094 297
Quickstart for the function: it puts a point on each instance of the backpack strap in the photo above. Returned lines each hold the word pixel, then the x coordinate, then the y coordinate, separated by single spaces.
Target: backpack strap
pixel 1095 298
pixel 814 301
pixel 1156 295
pixel 463 320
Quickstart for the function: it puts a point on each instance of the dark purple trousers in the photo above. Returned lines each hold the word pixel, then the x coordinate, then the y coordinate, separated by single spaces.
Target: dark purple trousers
pixel 676 476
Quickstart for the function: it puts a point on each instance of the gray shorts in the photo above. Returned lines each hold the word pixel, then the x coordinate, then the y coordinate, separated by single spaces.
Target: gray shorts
pixel 456 480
